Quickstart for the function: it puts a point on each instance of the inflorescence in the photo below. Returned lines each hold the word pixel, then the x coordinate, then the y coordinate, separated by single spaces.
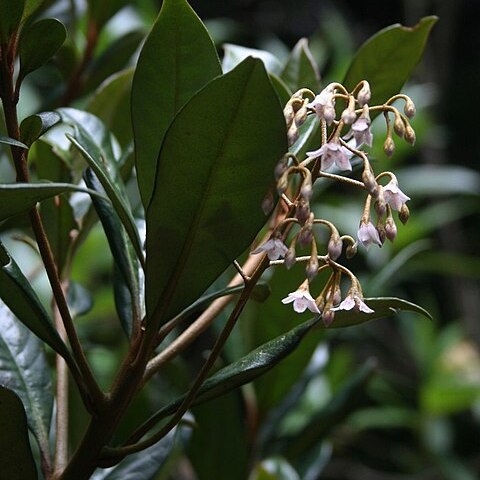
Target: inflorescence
pixel 295 181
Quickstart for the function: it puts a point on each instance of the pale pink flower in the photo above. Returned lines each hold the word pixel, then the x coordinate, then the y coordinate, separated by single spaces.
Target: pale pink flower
pixel 333 153
pixel 355 302
pixel 368 234
pixel 274 248
pixel 302 300
pixel 361 132
pixel 324 105
pixel 394 196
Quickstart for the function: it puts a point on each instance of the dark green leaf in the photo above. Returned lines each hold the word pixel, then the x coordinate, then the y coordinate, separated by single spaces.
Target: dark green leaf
pixel 20 298
pixel 35 126
pixel 12 141
pixel 10 18
pixel 24 368
pixel 301 70
pixel 177 60
pixel 79 299
pixel 30 7
pixel 17 458
pixel 16 198
pixel 97 151
pixel 113 59
pixel 383 308
pixel 214 169
pixel 236 54
pixel 39 42
pixel 283 92
pixel 388 58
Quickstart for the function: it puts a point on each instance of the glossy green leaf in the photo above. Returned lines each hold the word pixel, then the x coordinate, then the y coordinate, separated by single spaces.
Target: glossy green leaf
pixel 17 457
pixel 99 155
pixel 12 141
pixel 79 299
pixel 111 103
pixel 10 18
pixel 35 126
pixel 388 58
pixel 24 368
pixel 31 6
pixel 301 69
pixel 214 169
pixel 21 299
pixel 39 42
pixel 236 54
pixel 146 464
pixel 177 59
pixel 16 198
pixel 383 307
pixel 283 92
pixel 115 58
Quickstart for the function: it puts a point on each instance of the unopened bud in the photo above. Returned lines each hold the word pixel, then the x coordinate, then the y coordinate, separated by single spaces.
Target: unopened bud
pixel 282 183
pixel 370 183
pixel 280 168
pixel 312 268
pixel 404 214
pixel 289 114
pixel 409 108
pixel 390 229
pixel 337 296
pixel 399 126
pixel 268 202
pixel 329 114
pixel 302 211
pixel 328 317
pixel 410 136
pixel 305 236
pixel 290 257
pixel 351 250
pixel 292 134
pixel 349 116
pixel 320 301
pixel 335 245
pixel 380 204
pixel 389 146
pixel 301 115
pixel 364 94
pixel 381 232
pixel 306 191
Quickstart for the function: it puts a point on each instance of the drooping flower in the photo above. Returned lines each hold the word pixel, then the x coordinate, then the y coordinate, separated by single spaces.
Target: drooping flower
pixel 355 302
pixel 324 104
pixel 302 299
pixel 368 234
pixel 394 196
pixel 274 248
pixel 333 153
pixel 361 132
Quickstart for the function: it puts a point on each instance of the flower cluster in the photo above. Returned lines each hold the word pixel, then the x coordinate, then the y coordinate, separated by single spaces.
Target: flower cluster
pixel 342 142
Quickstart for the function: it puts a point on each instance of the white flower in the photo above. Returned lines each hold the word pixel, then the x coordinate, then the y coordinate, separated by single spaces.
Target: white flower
pixel 368 234
pixel 394 196
pixel 333 152
pixel 274 248
pixel 302 299
pixel 354 301
pixel 361 132
pixel 324 104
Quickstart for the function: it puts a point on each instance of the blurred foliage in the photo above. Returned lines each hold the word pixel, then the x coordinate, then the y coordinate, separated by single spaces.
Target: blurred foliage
pixel 391 399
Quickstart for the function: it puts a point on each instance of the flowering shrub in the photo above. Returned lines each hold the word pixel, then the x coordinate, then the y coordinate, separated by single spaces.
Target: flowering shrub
pixel 182 190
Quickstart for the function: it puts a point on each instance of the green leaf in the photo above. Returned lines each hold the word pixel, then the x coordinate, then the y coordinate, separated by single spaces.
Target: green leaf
pixel 39 42
pixel 34 126
pixel 98 153
pixel 214 169
pixel 21 299
pixel 79 299
pixel 30 7
pixel 10 18
pixel 236 54
pixel 16 198
pixel 101 12
pixel 301 70
pixel 283 92
pixel 388 58
pixel 17 458
pixel 177 59
pixel 383 307
pixel 24 368
pixel 12 141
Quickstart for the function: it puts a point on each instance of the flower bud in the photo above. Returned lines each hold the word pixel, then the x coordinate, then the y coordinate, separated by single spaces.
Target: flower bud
pixel 306 191
pixel 399 126
pixel 370 183
pixel 409 108
pixel 335 245
pixel 404 214
pixel 320 301
pixel 389 146
pixel 380 204
pixel 302 211
pixel 289 114
pixel 290 257
pixel 410 136
pixel 292 134
pixel 390 229
pixel 329 114
pixel 305 236
pixel 282 183
pixel 268 202
pixel 348 116
pixel 312 268
pixel 381 232
pixel 351 250
pixel 328 317
pixel 301 116
pixel 337 296
pixel 280 168
pixel 364 94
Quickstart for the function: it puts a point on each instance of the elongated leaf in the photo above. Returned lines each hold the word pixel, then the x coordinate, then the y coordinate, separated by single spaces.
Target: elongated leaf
pixel 101 159
pixel 12 141
pixel 24 368
pixel 16 198
pixel 30 7
pixel 388 58
pixel 301 70
pixel 12 11
pixel 236 54
pixel 383 307
pixel 20 298
pixel 39 42
pixel 177 60
pixel 214 169
pixel 17 458
pixel 35 126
